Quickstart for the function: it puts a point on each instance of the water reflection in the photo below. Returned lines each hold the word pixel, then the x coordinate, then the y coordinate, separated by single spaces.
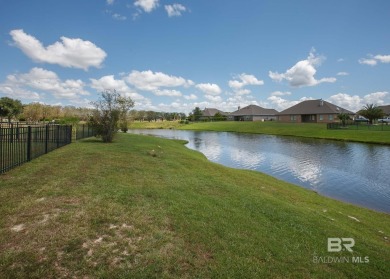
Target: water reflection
pixel 352 172
pixel 245 159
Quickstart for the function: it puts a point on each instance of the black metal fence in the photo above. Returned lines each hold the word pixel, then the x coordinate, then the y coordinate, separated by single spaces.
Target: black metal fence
pixel 22 144
pixel 358 126
pixel 84 131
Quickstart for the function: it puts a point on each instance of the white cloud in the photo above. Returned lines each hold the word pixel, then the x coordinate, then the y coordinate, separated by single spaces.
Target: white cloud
pixel 377 98
pixel 279 103
pixel 116 16
pixel 72 53
pixel 368 61
pixel 110 83
pixel 26 85
pixel 303 72
pixel 352 103
pixel 209 89
pixel 15 91
pixel 175 10
pixel 374 60
pixel 241 92
pixel 243 80
pixel 355 103
pixel 214 99
pixel 110 2
pixel 176 107
pixel 383 58
pixel 190 97
pixel 343 74
pixel 280 93
pixel 147 5
pixel 150 81
pixel 119 17
pixel 167 92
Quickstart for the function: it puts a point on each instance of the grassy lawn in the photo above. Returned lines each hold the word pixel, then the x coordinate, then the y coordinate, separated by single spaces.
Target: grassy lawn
pixel 294 129
pixel 155 125
pixel 145 207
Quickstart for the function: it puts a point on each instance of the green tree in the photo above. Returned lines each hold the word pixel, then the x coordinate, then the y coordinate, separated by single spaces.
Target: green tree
pixel 371 112
pixel 33 112
pixel 10 108
pixel 108 111
pixel 196 114
pixel 343 117
pixel 219 117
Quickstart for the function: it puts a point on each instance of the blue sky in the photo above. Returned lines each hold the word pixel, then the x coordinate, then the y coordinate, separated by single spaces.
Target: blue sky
pixel 175 55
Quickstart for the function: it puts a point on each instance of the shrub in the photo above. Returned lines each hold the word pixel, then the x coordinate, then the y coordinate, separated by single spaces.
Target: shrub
pixel 109 109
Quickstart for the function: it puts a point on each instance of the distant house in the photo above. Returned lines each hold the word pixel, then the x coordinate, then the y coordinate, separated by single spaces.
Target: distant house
pixel 209 113
pixel 314 111
pixel 386 109
pixel 253 113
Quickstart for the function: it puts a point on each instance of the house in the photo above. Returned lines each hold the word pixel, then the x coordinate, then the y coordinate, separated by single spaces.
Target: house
pixel 314 111
pixel 209 113
pixel 253 113
pixel 386 109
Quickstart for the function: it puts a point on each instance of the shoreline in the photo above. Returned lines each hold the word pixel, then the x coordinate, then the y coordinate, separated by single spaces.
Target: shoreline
pixel 305 130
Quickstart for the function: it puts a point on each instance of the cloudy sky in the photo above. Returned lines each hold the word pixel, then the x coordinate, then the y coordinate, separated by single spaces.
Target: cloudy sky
pixel 173 55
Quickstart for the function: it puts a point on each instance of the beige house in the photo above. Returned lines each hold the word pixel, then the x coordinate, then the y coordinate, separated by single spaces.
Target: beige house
pixel 253 113
pixel 209 113
pixel 313 111
pixel 386 109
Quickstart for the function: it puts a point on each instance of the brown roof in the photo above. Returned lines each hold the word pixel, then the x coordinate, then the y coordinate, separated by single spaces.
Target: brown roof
pixel 386 109
pixel 210 112
pixel 315 107
pixel 254 110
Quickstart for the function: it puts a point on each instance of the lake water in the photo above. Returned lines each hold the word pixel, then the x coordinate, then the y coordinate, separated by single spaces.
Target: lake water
pixel 352 172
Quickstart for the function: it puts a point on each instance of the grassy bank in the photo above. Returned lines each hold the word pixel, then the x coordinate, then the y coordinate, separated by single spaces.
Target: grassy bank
pixel 294 129
pixel 155 125
pixel 147 207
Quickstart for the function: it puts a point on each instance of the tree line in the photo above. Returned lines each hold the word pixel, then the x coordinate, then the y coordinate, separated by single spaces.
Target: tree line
pixel 149 115
pixel 11 109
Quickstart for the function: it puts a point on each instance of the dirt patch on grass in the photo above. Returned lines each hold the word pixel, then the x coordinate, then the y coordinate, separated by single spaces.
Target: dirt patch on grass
pixel 75 237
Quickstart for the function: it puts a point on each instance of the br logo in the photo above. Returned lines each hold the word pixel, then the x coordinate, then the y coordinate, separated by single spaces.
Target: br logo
pixel 336 244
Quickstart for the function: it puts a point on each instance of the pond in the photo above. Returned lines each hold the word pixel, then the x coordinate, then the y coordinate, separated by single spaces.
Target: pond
pixel 352 172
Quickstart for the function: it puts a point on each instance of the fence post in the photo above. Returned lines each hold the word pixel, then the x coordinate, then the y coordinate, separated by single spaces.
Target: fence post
pixel 58 136
pixel 46 138
pixel 11 133
pixel 29 138
pixel 2 156
pixel 70 127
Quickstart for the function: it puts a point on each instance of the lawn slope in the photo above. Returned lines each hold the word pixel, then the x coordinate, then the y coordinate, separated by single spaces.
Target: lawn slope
pixel 145 207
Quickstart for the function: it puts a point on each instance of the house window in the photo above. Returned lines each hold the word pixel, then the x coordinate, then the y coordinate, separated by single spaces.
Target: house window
pixel 312 117
pixel 330 117
pixel 293 118
pixel 321 117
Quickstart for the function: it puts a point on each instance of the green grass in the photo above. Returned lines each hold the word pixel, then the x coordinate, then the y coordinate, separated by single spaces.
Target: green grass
pixel 145 207
pixel 155 125
pixel 294 129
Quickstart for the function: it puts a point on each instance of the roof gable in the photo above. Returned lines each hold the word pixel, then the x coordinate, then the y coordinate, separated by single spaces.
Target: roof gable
pixel 386 109
pixel 315 107
pixel 210 112
pixel 254 110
